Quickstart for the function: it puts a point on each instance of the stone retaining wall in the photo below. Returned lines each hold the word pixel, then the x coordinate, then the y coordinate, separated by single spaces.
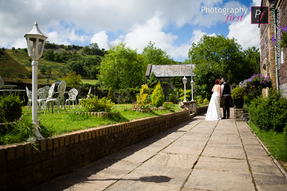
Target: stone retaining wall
pixel 25 165
pixel 201 110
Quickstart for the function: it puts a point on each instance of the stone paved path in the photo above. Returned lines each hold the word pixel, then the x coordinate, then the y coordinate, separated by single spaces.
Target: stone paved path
pixel 195 155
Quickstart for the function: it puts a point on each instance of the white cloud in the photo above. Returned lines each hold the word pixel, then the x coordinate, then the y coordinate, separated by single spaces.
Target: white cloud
pixel 197 34
pixel 138 22
pixel 101 38
pixel 246 34
pixel 141 35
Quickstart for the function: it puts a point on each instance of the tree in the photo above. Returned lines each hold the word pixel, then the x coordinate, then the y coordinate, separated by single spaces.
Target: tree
pixel 78 67
pixel 49 55
pixel 72 79
pixel 152 81
pixel 122 68
pixel 111 95
pixel 155 56
pixel 49 72
pixel 252 62
pixel 86 50
pixel 157 96
pixel 94 71
pixel 63 70
pixel 216 57
pixel 43 71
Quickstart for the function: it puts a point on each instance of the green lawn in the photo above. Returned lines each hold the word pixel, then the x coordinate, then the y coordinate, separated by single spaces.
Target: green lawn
pixel 55 124
pixel 274 141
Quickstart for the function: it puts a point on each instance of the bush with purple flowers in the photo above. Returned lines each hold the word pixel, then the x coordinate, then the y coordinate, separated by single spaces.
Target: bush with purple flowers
pixel 256 81
pixel 280 39
pixel 253 86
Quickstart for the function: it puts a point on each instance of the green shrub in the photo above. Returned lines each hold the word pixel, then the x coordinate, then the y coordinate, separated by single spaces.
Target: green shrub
pixel 181 91
pixel 18 80
pixel 73 80
pixel 152 81
pixel 142 99
pixel 171 95
pixel 199 101
pixel 96 105
pixel 157 96
pixel 10 108
pixel 269 113
pixel 237 93
pixel 168 106
pixel 17 132
pixel 123 96
pixel 111 95
pixel 206 101
pixel 176 81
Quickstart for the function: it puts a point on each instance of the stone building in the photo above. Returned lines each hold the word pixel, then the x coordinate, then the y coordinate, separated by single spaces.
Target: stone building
pixel 165 72
pixel 273 62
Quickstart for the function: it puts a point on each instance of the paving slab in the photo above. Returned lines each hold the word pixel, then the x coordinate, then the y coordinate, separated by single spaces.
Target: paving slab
pixel 194 155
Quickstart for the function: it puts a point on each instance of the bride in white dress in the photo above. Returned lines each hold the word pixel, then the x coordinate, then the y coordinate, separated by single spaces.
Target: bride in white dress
pixel 213 111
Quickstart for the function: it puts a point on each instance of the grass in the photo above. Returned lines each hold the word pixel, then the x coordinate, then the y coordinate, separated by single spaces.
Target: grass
pixel 90 81
pixel 274 141
pixel 56 124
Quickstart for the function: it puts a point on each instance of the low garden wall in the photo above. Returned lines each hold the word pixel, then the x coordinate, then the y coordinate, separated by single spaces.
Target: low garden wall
pixel 201 110
pixel 25 165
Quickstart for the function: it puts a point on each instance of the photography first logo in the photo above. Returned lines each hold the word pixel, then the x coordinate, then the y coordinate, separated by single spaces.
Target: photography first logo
pixel 259 15
pixel 232 12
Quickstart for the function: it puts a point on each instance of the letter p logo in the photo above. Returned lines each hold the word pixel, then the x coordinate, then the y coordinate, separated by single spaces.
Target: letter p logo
pixel 260 15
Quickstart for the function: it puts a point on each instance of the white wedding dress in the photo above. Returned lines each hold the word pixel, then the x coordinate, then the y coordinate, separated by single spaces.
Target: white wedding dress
pixel 213 111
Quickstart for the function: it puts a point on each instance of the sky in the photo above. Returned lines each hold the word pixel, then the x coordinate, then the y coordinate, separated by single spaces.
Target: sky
pixel 173 25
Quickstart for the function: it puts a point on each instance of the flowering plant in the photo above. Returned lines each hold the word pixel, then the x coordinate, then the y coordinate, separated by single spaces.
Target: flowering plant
pixel 255 84
pixel 256 81
pixel 280 39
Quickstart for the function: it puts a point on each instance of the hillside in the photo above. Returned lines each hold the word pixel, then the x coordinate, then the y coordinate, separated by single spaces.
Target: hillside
pixel 11 68
pixel 56 61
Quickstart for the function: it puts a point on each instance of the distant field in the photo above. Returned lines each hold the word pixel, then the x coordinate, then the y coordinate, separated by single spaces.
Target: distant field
pixel 89 81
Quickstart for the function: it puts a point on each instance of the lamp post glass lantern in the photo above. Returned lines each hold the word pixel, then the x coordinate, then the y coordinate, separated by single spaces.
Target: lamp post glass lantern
pixel 184 80
pixel 35 45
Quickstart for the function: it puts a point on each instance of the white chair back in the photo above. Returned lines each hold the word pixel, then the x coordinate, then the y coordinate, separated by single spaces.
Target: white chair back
pixel 51 91
pixel 88 96
pixel 29 93
pixel 73 94
pixel 61 89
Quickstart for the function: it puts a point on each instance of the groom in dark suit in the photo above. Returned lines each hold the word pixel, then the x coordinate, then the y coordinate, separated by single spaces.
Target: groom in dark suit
pixel 225 97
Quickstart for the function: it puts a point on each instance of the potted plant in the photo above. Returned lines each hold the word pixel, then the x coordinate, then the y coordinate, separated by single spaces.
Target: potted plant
pixel 237 95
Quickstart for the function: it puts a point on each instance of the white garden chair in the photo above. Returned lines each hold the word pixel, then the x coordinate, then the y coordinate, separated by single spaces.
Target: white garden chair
pixel 29 95
pixel 50 96
pixel 72 97
pixel 42 93
pixel 52 101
